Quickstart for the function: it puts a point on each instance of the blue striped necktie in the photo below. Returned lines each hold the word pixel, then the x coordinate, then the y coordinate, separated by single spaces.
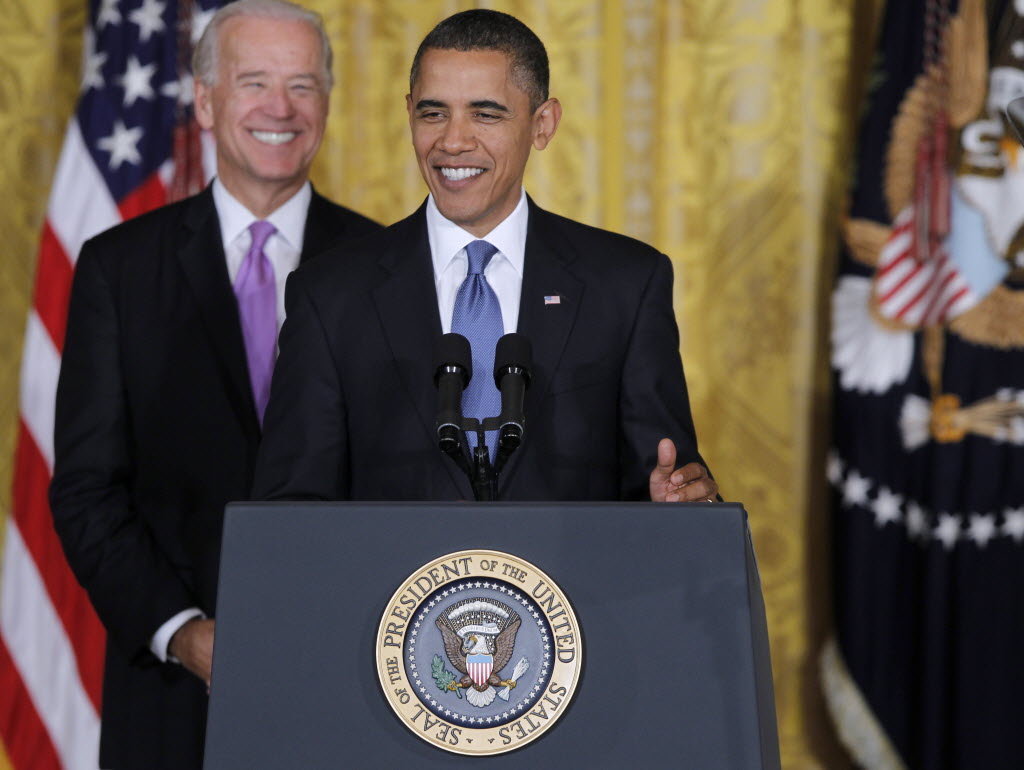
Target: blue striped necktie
pixel 477 317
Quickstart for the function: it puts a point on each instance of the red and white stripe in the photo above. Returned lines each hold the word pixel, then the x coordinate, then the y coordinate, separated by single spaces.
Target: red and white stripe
pixel 479 670
pixel 51 642
pixel 918 292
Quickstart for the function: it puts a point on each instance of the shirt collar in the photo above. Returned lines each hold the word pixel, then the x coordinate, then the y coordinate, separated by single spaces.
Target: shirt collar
pixel 289 218
pixel 447 239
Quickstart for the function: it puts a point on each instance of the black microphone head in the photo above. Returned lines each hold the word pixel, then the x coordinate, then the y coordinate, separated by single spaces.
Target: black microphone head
pixel 512 352
pixel 453 350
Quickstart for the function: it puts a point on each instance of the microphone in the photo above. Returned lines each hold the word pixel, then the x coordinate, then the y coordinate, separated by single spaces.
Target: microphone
pixel 512 360
pixel 453 370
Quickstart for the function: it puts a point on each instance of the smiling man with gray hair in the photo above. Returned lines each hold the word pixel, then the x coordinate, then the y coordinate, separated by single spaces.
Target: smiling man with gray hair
pixel 170 345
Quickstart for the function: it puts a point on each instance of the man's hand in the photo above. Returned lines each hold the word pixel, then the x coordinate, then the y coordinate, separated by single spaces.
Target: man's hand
pixel 669 484
pixel 192 644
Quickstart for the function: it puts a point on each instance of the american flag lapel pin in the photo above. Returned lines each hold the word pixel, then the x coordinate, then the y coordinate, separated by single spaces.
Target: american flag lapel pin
pixel 552 299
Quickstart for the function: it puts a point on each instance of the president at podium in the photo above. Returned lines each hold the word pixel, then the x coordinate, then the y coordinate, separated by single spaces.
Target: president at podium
pixel 352 409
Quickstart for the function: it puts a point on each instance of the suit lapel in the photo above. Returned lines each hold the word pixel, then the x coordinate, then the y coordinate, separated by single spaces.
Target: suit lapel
pixel 201 255
pixel 406 304
pixel 323 227
pixel 548 305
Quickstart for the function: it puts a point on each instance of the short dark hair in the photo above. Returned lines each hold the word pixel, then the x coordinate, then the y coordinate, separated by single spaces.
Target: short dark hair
pixel 481 29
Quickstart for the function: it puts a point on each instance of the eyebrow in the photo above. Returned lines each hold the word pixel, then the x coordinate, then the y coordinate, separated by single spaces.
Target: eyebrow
pixel 488 104
pixel 482 104
pixel 263 73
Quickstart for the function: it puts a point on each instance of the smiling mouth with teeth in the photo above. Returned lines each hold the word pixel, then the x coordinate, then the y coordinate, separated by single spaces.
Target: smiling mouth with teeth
pixel 274 137
pixel 457 174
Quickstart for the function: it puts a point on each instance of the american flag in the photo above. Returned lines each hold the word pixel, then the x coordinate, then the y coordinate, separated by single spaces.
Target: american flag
pixel 914 291
pixel 924 669
pixel 131 146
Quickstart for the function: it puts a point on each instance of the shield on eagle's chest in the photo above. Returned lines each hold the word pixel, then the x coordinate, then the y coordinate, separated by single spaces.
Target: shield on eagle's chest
pixel 478 666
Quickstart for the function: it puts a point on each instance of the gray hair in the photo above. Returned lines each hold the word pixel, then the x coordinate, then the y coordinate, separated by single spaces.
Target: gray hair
pixel 204 58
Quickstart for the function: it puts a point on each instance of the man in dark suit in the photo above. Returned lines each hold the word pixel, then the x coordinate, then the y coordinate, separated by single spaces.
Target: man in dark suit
pixel 352 409
pixel 170 342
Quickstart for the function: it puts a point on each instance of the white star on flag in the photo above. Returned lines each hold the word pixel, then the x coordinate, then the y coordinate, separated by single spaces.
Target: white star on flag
pixel 179 90
pixel 855 490
pixel 917 521
pixel 92 67
pixel 136 81
pixel 982 528
pixel 122 145
pixel 108 14
pixel 948 530
pixel 886 507
pixel 1013 523
pixel 148 17
pixel 199 22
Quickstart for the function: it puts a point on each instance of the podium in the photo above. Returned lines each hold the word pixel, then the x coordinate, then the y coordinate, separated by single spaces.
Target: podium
pixel 675 667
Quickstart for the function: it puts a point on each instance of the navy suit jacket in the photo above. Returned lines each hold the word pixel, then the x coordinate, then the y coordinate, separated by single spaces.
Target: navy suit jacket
pixel 352 407
pixel 156 430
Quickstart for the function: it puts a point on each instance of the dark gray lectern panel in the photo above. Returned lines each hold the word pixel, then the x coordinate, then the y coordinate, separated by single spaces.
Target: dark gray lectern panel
pixel 676 668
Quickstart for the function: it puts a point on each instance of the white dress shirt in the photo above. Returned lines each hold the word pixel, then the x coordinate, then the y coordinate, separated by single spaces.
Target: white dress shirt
pixel 504 272
pixel 283 249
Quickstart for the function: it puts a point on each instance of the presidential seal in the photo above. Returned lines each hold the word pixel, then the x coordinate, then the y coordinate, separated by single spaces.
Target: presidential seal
pixel 479 652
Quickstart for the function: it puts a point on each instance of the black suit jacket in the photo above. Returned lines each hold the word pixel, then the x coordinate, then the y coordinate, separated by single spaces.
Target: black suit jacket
pixel 156 430
pixel 352 407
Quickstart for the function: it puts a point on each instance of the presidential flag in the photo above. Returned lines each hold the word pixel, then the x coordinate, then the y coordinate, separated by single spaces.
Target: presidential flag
pixel 927 465
pixel 131 145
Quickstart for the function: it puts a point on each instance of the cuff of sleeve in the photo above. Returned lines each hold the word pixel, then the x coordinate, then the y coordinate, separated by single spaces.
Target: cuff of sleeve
pixel 162 638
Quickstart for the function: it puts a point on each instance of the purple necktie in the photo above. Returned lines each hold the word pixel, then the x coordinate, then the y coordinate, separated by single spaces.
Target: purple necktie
pixel 257 309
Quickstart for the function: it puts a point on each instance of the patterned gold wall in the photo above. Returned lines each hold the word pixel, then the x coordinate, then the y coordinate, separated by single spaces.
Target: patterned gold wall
pixel 714 129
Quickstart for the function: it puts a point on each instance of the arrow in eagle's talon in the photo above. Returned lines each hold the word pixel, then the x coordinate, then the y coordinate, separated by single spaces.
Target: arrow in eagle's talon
pixel 509 683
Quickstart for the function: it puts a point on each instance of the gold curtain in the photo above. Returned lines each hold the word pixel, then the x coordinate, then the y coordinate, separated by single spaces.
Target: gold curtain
pixel 717 130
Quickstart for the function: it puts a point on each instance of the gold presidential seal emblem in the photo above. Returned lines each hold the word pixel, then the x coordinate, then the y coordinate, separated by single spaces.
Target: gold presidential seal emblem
pixel 479 652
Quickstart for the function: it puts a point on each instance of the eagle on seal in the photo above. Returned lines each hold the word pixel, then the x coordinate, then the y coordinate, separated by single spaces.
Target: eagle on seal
pixel 479 638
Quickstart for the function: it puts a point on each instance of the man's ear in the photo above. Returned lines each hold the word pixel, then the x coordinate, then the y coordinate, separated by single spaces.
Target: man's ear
pixel 203 105
pixel 545 122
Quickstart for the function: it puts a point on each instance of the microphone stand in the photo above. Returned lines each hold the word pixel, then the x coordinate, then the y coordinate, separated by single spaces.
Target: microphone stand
pixel 483 476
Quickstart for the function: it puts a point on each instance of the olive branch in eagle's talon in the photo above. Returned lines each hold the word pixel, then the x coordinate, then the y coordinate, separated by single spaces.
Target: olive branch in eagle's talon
pixel 443 678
